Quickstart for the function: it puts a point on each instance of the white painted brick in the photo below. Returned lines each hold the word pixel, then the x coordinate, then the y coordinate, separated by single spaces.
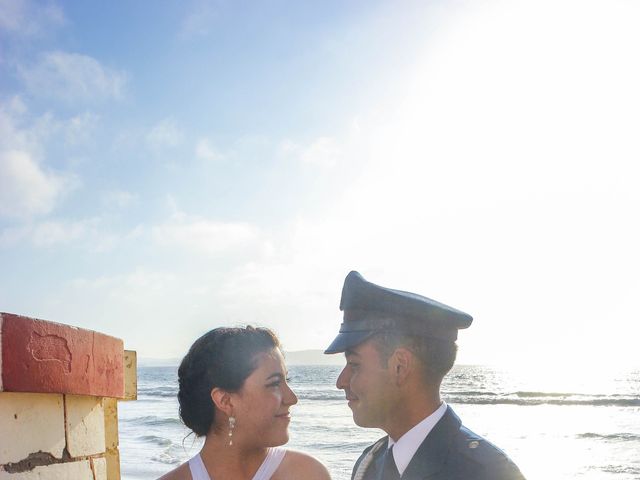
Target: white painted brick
pixel 110 422
pixel 0 352
pixel 85 425
pixel 130 375
pixel 30 422
pixel 59 471
pixel 99 468
pixel 113 464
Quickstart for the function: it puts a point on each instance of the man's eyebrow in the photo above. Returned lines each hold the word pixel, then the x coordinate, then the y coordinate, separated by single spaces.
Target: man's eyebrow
pixel 351 353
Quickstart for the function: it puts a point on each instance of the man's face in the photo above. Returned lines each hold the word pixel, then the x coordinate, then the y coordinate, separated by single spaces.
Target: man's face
pixel 368 385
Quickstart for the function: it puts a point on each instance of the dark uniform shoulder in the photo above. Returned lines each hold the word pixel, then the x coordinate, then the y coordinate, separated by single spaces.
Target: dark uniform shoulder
pixel 366 452
pixel 483 458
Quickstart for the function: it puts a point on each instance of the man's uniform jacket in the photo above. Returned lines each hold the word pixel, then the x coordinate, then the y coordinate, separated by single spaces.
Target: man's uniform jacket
pixel 450 452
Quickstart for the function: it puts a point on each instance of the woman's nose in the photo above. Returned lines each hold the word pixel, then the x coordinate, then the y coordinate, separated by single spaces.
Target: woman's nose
pixel 290 397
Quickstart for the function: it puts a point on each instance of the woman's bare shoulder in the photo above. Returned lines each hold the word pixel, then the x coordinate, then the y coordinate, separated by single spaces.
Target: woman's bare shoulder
pixel 302 465
pixel 180 473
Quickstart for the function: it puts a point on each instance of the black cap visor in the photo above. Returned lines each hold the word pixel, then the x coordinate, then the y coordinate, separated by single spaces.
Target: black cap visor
pixel 347 340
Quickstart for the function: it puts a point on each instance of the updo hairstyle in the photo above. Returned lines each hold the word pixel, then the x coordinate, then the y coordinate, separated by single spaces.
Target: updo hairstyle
pixel 223 358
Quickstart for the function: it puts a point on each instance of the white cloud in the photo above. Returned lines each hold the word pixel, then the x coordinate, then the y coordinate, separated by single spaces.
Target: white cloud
pixel 26 18
pixel 499 177
pixel 12 136
pixel 134 302
pixel 205 151
pixel 118 198
pixel 15 105
pixel 322 151
pixel 125 284
pixel 12 236
pixel 73 78
pixel 199 20
pixel 25 188
pixel 165 134
pixel 19 130
pixel 201 299
pixel 200 235
pixel 47 233
pixel 90 234
pixel 51 233
pixel 79 128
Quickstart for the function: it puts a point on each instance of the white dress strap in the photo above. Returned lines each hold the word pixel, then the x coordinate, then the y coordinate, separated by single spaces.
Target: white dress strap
pixel 198 470
pixel 270 464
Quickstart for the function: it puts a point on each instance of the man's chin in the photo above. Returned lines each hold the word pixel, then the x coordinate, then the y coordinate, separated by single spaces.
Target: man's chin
pixel 362 421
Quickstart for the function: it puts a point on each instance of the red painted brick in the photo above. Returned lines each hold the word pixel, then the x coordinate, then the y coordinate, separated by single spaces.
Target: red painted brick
pixel 47 357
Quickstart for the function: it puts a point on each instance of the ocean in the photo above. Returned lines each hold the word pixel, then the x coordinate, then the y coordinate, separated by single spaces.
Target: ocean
pixel 562 425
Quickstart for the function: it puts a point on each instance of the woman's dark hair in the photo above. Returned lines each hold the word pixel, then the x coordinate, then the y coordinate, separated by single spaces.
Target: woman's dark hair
pixel 223 358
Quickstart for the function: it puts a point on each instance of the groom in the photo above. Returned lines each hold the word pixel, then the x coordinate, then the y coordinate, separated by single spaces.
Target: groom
pixel 398 347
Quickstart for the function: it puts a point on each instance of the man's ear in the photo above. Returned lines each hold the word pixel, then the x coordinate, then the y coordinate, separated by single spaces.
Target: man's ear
pixel 402 364
pixel 222 400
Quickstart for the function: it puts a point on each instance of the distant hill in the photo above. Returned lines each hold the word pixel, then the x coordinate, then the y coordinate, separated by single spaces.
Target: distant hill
pixel 159 362
pixel 301 357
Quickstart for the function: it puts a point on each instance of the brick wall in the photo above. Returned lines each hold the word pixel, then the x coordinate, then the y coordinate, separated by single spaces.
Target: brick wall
pixel 59 392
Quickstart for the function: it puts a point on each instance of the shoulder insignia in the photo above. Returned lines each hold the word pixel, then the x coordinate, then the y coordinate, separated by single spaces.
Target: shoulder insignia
pixel 473 444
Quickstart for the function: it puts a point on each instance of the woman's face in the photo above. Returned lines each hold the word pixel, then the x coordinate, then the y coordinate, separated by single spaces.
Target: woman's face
pixel 261 406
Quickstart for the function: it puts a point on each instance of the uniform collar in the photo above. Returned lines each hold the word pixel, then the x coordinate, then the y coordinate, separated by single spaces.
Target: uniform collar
pixel 432 454
pixel 406 446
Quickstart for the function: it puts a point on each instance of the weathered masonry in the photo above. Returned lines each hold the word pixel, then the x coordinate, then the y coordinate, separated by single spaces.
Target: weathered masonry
pixel 59 388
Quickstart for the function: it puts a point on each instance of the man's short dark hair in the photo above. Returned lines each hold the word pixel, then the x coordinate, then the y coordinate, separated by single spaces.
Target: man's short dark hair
pixel 435 355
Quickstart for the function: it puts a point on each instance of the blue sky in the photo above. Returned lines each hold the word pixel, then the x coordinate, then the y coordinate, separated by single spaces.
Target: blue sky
pixel 168 167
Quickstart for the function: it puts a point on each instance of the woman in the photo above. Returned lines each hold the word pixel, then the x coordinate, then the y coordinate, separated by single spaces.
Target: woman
pixel 233 391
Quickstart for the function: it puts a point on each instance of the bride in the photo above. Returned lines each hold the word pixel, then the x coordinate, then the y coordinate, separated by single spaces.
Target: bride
pixel 233 391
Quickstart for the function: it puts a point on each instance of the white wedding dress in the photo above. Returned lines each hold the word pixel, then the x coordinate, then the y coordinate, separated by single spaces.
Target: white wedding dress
pixel 269 465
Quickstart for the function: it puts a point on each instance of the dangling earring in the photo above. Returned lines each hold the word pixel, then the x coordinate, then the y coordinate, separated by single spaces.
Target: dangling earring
pixel 232 425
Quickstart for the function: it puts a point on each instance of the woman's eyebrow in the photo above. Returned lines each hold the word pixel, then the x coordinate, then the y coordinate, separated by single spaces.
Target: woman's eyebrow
pixel 275 375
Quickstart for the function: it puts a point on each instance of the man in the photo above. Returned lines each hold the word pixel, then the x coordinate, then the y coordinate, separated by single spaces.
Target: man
pixel 398 347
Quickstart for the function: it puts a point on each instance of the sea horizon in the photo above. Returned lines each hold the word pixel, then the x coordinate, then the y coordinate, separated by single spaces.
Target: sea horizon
pixel 316 356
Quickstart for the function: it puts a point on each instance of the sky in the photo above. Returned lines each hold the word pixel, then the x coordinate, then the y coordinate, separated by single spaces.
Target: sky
pixel 170 167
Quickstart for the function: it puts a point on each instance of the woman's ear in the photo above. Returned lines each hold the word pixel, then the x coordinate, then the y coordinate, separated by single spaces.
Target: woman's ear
pixel 222 400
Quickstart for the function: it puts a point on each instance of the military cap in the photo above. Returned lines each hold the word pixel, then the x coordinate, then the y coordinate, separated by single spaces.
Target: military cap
pixel 369 308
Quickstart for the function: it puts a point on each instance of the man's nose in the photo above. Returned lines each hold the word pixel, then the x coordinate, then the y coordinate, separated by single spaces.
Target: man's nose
pixel 343 379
